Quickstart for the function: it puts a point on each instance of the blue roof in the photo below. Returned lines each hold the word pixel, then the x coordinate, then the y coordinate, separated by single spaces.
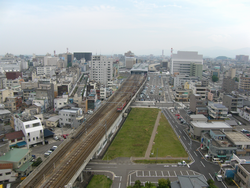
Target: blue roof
pixel 23 143
pixel 47 133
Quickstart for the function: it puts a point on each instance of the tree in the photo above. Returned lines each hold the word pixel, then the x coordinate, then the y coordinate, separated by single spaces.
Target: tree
pixel 236 79
pixel 149 185
pixel 215 78
pixel 137 184
pixel 211 184
pixel 164 183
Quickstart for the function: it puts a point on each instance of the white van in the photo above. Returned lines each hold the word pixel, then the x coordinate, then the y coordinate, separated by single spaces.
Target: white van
pixel 217 160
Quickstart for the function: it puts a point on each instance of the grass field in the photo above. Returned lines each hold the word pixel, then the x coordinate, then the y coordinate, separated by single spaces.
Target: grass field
pixel 167 142
pixel 100 181
pixel 134 136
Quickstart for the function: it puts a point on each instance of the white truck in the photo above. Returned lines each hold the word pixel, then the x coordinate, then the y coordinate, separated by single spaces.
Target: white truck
pixel 218 177
pixel 183 163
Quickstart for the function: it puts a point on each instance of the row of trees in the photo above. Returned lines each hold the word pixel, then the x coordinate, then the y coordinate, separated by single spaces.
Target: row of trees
pixel 162 183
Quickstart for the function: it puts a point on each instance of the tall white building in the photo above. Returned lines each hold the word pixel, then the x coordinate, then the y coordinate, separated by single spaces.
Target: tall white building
pixel 50 61
pixel 32 129
pixel 101 69
pixel 180 62
pixel 44 70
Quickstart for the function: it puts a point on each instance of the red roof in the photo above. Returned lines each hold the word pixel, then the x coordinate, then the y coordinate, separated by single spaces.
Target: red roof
pixel 14 135
pixel 6 166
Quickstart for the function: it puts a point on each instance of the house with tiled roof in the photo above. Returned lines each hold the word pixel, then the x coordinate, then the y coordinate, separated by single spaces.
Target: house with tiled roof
pixel 16 138
pixel 7 173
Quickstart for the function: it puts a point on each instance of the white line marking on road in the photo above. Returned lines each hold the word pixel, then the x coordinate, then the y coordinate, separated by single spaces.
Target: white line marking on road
pixel 121 178
pixel 224 185
pixel 168 174
pixel 155 173
pixel 187 173
pixel 172 121
pixel 211 176
pixel 162 173
pixel 142 173
pixel 136 174
pixel 202 163
pixel 130 179
pixel 181 172
pixel 175 173
pixel 149 173
pixel 119 185
pixel 195 154
pixel 184 138
pixel 180 131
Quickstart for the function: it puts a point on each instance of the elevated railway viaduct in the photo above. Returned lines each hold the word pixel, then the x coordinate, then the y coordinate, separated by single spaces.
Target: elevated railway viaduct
pixel 66 163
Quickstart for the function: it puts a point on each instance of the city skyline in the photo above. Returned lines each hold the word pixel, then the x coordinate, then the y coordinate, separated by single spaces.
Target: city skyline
pixel 115 27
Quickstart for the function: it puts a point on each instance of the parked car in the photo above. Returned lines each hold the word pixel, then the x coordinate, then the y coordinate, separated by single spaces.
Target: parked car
pixel 177 114
pixel 56 138
pixel 53 148
pixel 65 136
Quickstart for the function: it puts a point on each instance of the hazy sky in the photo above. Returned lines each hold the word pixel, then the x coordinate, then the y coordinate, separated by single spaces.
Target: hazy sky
pixel 116 26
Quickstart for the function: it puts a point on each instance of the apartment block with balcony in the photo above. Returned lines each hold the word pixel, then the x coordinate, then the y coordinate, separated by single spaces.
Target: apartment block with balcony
pixel 242 176
pixel 71 117
pixel 217 144
pixel 101 69
pixel 60 102
pixel 181 95
pixel 4 93
pixel 229 85
pixel 232 102
pixel 103 93
pixel 26 93
pixel 13 103
pixel 217 110
pixel 244 83
pixel 31 127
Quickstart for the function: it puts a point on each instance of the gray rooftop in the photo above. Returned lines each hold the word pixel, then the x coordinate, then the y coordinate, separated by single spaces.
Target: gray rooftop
pixel 211 125
pixel 238 138
pixel 192 181
pixel 140 67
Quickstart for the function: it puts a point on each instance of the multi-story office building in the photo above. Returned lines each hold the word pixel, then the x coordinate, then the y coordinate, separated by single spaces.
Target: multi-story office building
pixel 217 110
pixel 181 62
pixel 4 93
pixel 229 85
pixel 10 83
pixel 45 70
pixel 196 70
pixel 68 57
pixel 243 58
pixel 29 85
pixel 244 113
pixel 60 102
pixel 32 129
pixel 50 61
pixel 80 55
pixel 179 80
pixel 232 102
pixel 181 95
pixel 101 69
pixel 130 61
pixel 244 83
pixel 71 117
pixel 231 73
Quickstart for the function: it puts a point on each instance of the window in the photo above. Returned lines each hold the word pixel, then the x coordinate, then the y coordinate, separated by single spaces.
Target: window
pixel 28 134
pixel 33 138
pixel 29 139
pixel 27 126
pixel 36 124
pixel 19 139
pixel 41 131
pixel 37 137
pixel 13 140
pixel 1 174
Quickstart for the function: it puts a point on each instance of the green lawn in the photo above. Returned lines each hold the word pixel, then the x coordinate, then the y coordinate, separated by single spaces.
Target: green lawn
pixel 100 181
pixel 167 142
pixel 133 138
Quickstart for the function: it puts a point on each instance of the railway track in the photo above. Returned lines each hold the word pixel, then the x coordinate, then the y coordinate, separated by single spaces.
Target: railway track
pixel 62 166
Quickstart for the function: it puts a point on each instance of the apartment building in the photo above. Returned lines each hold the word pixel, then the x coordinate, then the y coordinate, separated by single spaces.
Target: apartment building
pixel 103 93
pixel 101 69
pixel 27 92
pixel 199 89
pixel 244 83
pixel 182 95
pixel 11 83
pixel 13 103
pixel 232 102
pixel 5 115
pixel 31 127
pixel 4 93
pixel 7 173
pixel 229 85
pixel 60 102
pixel 197 105
pixel 71 117
pixel 46 91
pixel 244 113
pixel 217 110
pixel 50 61
pixel 29 85
pixel 243 58
pixel 181 62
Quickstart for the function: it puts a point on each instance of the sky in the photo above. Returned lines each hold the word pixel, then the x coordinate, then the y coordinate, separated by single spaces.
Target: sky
pixel 117 26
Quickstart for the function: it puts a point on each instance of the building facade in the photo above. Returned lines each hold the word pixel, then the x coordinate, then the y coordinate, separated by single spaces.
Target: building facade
pixel 232 102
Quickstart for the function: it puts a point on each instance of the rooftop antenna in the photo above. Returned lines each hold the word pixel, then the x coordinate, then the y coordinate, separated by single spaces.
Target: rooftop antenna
pixel 67 50
pixel 171 52
pixel 54 53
